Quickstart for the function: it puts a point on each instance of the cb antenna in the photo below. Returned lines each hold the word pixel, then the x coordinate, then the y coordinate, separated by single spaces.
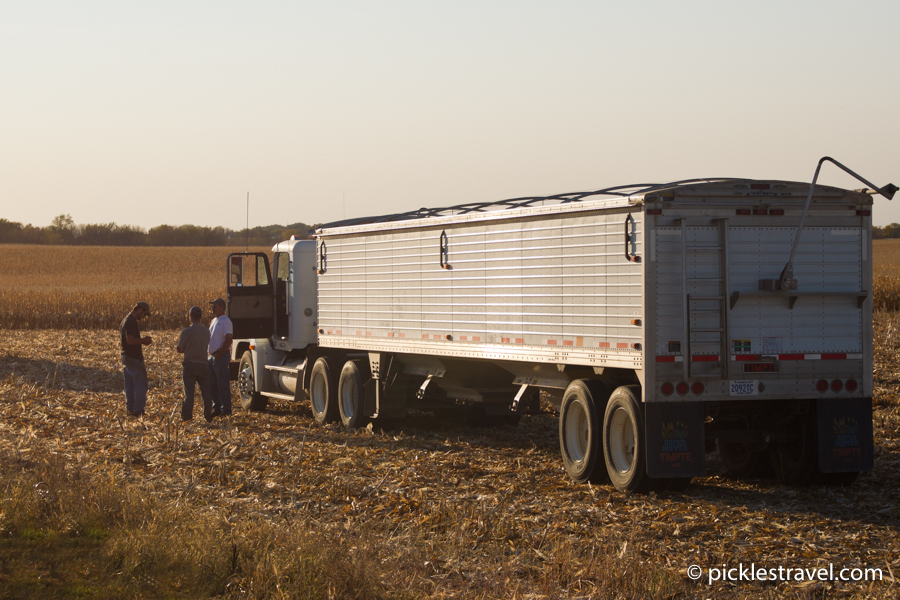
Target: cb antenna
pixel 248 223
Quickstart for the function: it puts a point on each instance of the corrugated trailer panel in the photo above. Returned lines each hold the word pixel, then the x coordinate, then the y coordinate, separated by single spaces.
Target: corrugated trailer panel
pixel 556 281
pixel 828 260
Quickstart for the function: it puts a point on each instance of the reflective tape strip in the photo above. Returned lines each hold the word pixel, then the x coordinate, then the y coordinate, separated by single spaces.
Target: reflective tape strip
pixel 705 358
pixel 669 358
pixel 826 356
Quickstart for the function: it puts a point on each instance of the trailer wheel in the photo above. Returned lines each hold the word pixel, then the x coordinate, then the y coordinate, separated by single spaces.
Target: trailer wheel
pixel 352 395
pixel 741 461
pixel 795 459
pixel 840 479
pixel 323 391
pixel 580 431
pixel 250 399
pixel 623 442
pixel 677 484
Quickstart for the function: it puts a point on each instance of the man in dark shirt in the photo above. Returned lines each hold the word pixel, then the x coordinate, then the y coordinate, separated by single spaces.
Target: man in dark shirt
pixel 193 343
pixel 133 359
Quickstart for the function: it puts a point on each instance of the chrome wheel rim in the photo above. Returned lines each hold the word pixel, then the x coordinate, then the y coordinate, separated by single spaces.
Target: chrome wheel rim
pixel 317 393
pixel 245 381
pixel 577 427
pixel 348 397
pixel 621 440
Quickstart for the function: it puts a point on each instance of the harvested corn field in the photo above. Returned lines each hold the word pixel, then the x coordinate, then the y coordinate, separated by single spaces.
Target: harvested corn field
pixel 440 511
pixel 94 287
pixel 886 275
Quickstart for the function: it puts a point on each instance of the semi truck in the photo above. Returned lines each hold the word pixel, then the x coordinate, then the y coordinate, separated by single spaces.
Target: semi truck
pixel 662 322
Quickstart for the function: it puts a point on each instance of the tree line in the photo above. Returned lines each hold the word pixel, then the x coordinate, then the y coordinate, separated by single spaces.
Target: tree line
pixel 888 231
pixel 64 230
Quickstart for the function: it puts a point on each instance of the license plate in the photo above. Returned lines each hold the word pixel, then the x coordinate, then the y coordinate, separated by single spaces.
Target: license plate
pixel 745 388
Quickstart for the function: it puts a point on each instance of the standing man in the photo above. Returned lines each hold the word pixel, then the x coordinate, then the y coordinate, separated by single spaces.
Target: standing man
pixel 193 343
pixel 133 359
pixel 221 332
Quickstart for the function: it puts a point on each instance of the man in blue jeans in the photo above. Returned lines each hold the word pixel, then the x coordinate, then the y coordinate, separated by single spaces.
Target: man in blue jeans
pixel 221 333
pixel 135 370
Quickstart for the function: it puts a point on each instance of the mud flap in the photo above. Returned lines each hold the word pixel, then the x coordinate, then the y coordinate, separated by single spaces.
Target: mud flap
pixel 846 440
pixel 675 439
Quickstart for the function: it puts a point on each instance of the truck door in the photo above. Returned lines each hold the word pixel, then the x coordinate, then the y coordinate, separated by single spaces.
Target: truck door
pixel 251 300
pixel 282 268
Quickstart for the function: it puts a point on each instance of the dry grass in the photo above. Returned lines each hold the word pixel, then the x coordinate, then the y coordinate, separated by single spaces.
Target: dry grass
pixel 94 287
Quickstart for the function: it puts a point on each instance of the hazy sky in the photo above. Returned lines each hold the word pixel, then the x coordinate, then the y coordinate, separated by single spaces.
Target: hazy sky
pixel 171 112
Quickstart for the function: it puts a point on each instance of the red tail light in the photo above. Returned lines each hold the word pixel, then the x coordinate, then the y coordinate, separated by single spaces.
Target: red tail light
pixel 760 211
pixel 681 388
pixel 697 387
pixel 821 386
pixel 776 211
pixel 667 389
pixel 851 385
pixel 837 385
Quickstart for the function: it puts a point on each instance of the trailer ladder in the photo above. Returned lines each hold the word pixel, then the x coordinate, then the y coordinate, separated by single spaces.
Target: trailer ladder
pixel 698 301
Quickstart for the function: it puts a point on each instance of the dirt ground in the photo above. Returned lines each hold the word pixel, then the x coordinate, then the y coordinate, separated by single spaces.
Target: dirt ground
pixel 61 393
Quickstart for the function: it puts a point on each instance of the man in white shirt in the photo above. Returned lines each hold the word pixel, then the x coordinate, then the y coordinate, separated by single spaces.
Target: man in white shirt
pixel 221 333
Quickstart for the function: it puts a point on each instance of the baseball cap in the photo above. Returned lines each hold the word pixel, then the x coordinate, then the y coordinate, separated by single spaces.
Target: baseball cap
pixel 143 305
pixel 218 302
pixel 196 310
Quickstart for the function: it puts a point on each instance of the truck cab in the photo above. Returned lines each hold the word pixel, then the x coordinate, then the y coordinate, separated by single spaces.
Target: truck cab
pixel 273 309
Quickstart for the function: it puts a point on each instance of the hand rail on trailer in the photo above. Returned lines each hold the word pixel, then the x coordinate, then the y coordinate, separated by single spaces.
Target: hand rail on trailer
pixel 620 191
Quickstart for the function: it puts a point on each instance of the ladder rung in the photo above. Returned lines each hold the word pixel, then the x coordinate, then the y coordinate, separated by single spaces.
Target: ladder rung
pixel 707 298
pixel 693 330
pixel 701 248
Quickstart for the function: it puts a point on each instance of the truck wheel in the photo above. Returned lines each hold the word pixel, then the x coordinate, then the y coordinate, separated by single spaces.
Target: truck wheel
pixel 580 431
pixel 623 442
pixel 352 395
pixel 795 459
pixel 250 399
pixel 323 391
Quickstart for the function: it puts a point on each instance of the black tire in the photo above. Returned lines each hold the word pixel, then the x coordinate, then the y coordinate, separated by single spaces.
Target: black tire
pixel 352 394
pixel 840 479
pixel 740 461
pixel 623 442
pixel 323 391
pixel 795 459
pixel 677 484
pixel 250 398
pixel 580 431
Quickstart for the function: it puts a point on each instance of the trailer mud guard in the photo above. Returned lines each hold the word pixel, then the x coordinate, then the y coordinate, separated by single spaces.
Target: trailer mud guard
pixel 675 439
pixel 846 440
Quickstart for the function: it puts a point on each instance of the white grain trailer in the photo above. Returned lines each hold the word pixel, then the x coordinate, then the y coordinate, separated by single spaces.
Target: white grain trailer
pixel 659 319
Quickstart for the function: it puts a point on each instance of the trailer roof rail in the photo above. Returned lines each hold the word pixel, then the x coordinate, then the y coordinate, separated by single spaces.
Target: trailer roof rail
pixel 620 191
